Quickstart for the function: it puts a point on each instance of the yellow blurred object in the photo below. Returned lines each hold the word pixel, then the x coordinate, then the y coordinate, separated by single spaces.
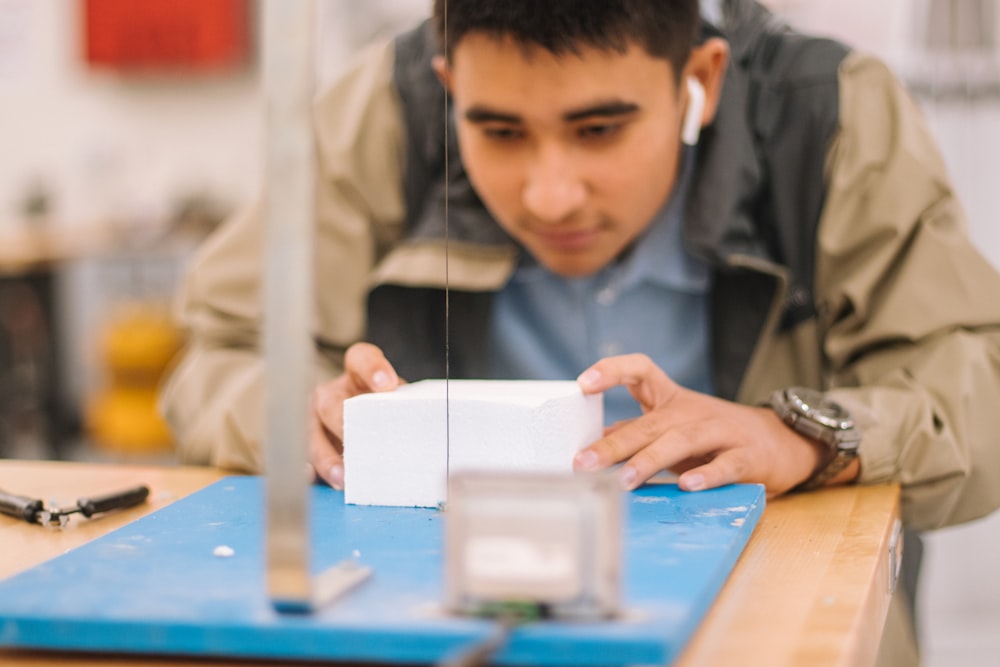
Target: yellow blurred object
pixel 140 341
pixel 136 348
pixel 126 419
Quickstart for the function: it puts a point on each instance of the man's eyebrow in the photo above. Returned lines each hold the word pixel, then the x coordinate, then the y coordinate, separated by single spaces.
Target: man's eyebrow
pixel 602 109
pixel 483 114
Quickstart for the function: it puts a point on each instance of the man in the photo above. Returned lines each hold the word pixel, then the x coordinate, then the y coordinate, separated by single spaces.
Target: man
pixel 808 239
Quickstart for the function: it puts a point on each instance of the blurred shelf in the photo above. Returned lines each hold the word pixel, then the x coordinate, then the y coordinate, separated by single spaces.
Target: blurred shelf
pixel 24 249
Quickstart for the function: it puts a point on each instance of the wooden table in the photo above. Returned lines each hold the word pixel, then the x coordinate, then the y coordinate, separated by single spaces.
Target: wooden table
pixel 811 588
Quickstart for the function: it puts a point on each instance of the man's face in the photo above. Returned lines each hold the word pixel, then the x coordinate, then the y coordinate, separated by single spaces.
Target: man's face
pixel 573 155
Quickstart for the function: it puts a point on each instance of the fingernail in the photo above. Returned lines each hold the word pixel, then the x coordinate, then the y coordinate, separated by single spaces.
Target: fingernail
pixel 381 380
pixel 589 378
pixel 585 460
pixel 627 478
pixel 694 482
pixel 337 477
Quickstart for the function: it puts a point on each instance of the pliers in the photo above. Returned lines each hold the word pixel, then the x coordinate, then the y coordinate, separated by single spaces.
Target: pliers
pixel 33 510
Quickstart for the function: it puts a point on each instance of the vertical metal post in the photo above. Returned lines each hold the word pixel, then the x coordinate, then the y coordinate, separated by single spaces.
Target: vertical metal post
pixel 289 74
pixel 289 27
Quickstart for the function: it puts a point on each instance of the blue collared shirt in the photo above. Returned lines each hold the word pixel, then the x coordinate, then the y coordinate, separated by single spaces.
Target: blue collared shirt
pixel 654 300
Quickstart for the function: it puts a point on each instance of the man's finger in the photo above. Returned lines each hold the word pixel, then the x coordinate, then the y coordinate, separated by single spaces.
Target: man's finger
pixel 729 467
pixel 617 425
pixel 365 370
pixel 617 445
pixel 368 370
pixel 650 444
pixel 694 439
pixel 324 455
pixel 328 406
pixel 331 470
pixel 646 381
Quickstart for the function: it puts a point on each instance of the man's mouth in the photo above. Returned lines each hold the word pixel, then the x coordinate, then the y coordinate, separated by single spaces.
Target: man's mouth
pixel 577 239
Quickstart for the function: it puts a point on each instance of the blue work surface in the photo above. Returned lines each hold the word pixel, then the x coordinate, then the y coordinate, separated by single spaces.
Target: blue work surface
pixel 155 586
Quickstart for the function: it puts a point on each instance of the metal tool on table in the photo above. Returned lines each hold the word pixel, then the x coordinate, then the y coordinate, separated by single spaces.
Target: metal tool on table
pixel 34 510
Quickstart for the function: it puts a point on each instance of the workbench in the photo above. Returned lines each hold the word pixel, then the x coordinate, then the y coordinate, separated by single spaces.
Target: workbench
pixel 812 586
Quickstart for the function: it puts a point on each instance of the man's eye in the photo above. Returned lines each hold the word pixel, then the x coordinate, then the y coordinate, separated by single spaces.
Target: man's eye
pixel 601 131
pixel 503 133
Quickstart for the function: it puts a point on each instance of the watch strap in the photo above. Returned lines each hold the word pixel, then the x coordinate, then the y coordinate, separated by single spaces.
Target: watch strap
pixel 841 459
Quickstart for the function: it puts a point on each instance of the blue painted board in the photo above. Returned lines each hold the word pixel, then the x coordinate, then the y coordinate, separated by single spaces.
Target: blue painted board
pixel 154 586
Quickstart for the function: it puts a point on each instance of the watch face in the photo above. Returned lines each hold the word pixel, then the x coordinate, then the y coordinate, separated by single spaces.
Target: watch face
pixel 814 405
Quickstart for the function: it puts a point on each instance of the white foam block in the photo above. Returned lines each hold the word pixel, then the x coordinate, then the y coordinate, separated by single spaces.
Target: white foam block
pixel 397 451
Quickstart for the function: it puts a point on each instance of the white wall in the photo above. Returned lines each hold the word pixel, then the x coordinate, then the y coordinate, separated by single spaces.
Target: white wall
pixel 109 144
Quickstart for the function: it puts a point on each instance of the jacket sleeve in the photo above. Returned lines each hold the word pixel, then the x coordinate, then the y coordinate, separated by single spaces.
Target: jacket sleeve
pixel 910 309
pixel 213 399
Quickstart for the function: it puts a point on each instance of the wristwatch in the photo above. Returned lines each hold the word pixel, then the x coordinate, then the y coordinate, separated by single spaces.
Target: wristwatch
pixel 812 414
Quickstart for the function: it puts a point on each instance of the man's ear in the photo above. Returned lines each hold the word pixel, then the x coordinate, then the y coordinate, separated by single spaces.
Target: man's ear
pixel 443 71
pixel 707 63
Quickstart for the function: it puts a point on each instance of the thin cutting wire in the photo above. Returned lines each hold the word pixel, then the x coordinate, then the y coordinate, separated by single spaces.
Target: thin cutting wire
pixel 447 288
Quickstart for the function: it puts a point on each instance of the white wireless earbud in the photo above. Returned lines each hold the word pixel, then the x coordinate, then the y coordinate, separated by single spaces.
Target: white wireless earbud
pixel 692 117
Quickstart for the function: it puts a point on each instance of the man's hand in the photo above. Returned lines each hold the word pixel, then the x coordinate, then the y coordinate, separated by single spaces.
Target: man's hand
pixel 708 441
pixel 366 370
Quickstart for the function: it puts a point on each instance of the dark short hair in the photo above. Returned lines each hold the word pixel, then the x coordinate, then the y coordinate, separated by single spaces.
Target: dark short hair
pixel 664 28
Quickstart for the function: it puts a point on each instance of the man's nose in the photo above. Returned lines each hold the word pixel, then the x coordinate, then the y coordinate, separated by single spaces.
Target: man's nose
pixel 553 190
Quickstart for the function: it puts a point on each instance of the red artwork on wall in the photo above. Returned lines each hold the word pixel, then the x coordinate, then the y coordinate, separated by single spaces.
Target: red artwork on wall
pixel 167 35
